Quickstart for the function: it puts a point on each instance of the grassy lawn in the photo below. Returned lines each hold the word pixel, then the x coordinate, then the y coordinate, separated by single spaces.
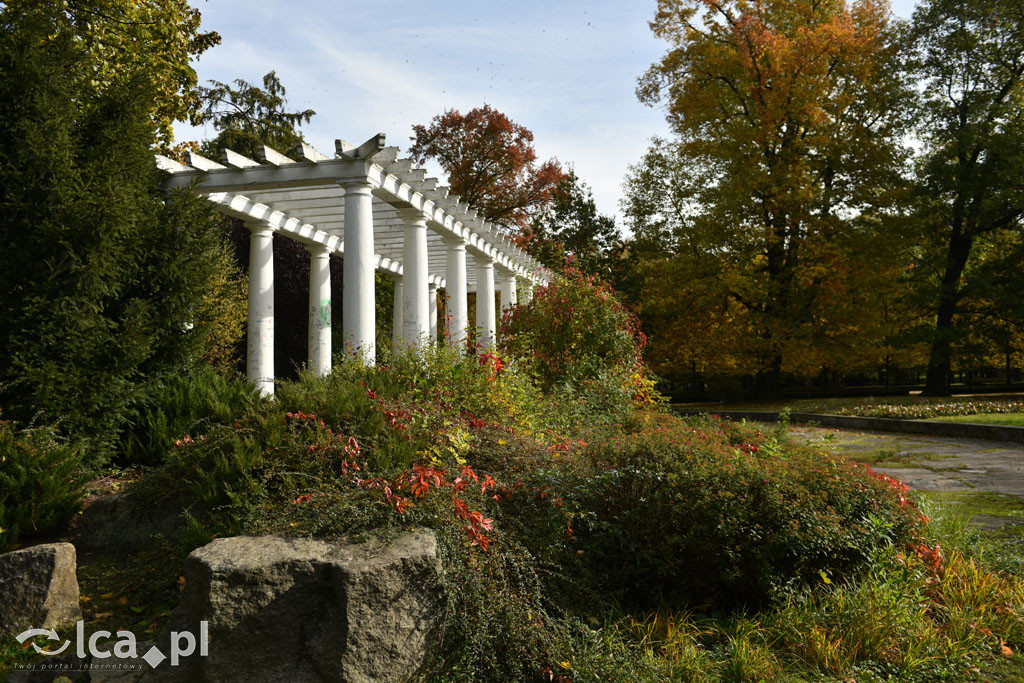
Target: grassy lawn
pixel 905 407
pixel 1011 419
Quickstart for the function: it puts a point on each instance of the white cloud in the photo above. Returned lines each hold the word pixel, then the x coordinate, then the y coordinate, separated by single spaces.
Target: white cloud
pixel 565 70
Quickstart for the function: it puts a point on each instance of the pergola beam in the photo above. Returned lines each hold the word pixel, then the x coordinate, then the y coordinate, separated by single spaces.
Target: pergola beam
pixel 382 213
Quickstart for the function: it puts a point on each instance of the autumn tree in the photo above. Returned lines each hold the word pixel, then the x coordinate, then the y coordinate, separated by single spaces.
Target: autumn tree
pixel 490 163
pixel 247 116
pixel 969 56
pixel 571 231
pixel 787 122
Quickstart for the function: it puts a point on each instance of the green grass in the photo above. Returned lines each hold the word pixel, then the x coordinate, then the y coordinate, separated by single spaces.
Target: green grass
pixel 972 503
pixel 906 407
pixel 893 459
pixel 1010 419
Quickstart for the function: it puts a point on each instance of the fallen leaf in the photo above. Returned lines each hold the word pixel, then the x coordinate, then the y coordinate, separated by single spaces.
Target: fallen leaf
pixel 1006 651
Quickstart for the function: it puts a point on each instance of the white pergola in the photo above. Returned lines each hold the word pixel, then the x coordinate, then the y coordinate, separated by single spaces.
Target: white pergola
pixel 379 213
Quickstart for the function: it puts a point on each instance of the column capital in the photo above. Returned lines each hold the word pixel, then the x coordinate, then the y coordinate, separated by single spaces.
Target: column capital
pixel 412 216
pixel 356 185
pixel 257 227
pixel 483 259
pixel 317 249
pixel 358 311
pixel 453 241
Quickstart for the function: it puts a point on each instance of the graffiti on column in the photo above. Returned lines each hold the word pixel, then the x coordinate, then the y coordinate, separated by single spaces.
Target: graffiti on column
pixel 322 315
pixel 325 312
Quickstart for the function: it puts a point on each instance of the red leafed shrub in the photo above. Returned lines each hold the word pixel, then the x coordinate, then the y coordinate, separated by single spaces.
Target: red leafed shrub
pixel 576 335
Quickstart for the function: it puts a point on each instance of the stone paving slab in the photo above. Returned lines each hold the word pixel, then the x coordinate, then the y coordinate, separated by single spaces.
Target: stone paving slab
pixel 929 463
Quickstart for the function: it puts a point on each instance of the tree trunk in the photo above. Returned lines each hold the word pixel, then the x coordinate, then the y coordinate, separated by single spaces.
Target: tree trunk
pixel 769 380
pixel 937 381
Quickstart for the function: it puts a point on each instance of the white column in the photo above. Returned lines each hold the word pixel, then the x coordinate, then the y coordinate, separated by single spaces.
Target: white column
pixel 396 319
pixel 260 359
pixel 455 279
pixel 432 311
pixel 319 310
pixel 485 327
pixel 358 321
pixel 415 293
pixel 527 291
pixel 508 290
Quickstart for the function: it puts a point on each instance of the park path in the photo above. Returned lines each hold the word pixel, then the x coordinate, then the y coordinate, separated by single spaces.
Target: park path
pixel 987 476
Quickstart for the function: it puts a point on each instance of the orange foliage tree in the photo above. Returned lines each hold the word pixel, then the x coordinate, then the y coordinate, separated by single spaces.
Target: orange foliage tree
pixel 490 163
pixel 788 126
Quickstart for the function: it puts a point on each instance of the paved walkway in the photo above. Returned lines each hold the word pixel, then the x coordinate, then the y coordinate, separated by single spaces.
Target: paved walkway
pixel 987 475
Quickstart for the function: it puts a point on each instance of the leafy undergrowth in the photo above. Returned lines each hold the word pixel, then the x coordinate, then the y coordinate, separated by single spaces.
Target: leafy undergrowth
pixel 578 546
pixel 135 591
pixel 129 591
pixel 648 549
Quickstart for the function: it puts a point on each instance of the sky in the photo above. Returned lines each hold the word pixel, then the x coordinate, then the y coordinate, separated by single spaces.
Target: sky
pixel 565 69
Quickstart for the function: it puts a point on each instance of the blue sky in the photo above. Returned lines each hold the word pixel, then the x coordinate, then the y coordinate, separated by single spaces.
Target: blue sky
pixel 566 69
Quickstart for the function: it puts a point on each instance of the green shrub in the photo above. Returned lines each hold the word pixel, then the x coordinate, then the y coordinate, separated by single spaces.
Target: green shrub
pixel 576 337
pixel 188 404
pixel 656 512
pixel 40 482
pixel 104 275
pixel 716 514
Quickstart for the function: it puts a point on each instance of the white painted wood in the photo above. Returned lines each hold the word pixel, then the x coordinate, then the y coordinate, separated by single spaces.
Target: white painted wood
pixel 457 304
pixel 320 315
pixel 398 166
pixel 235 160
pixel 368 150
pixel 396 317
pixel 508 291
pixel 386 155
pixel 358 312
pixel 432 312
pixel 197 161
pixel 170 165
pixel 309 200
pixel 307 152
pixel 260 358
pixel 269 155
pixel 415 297
pixel 485 323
